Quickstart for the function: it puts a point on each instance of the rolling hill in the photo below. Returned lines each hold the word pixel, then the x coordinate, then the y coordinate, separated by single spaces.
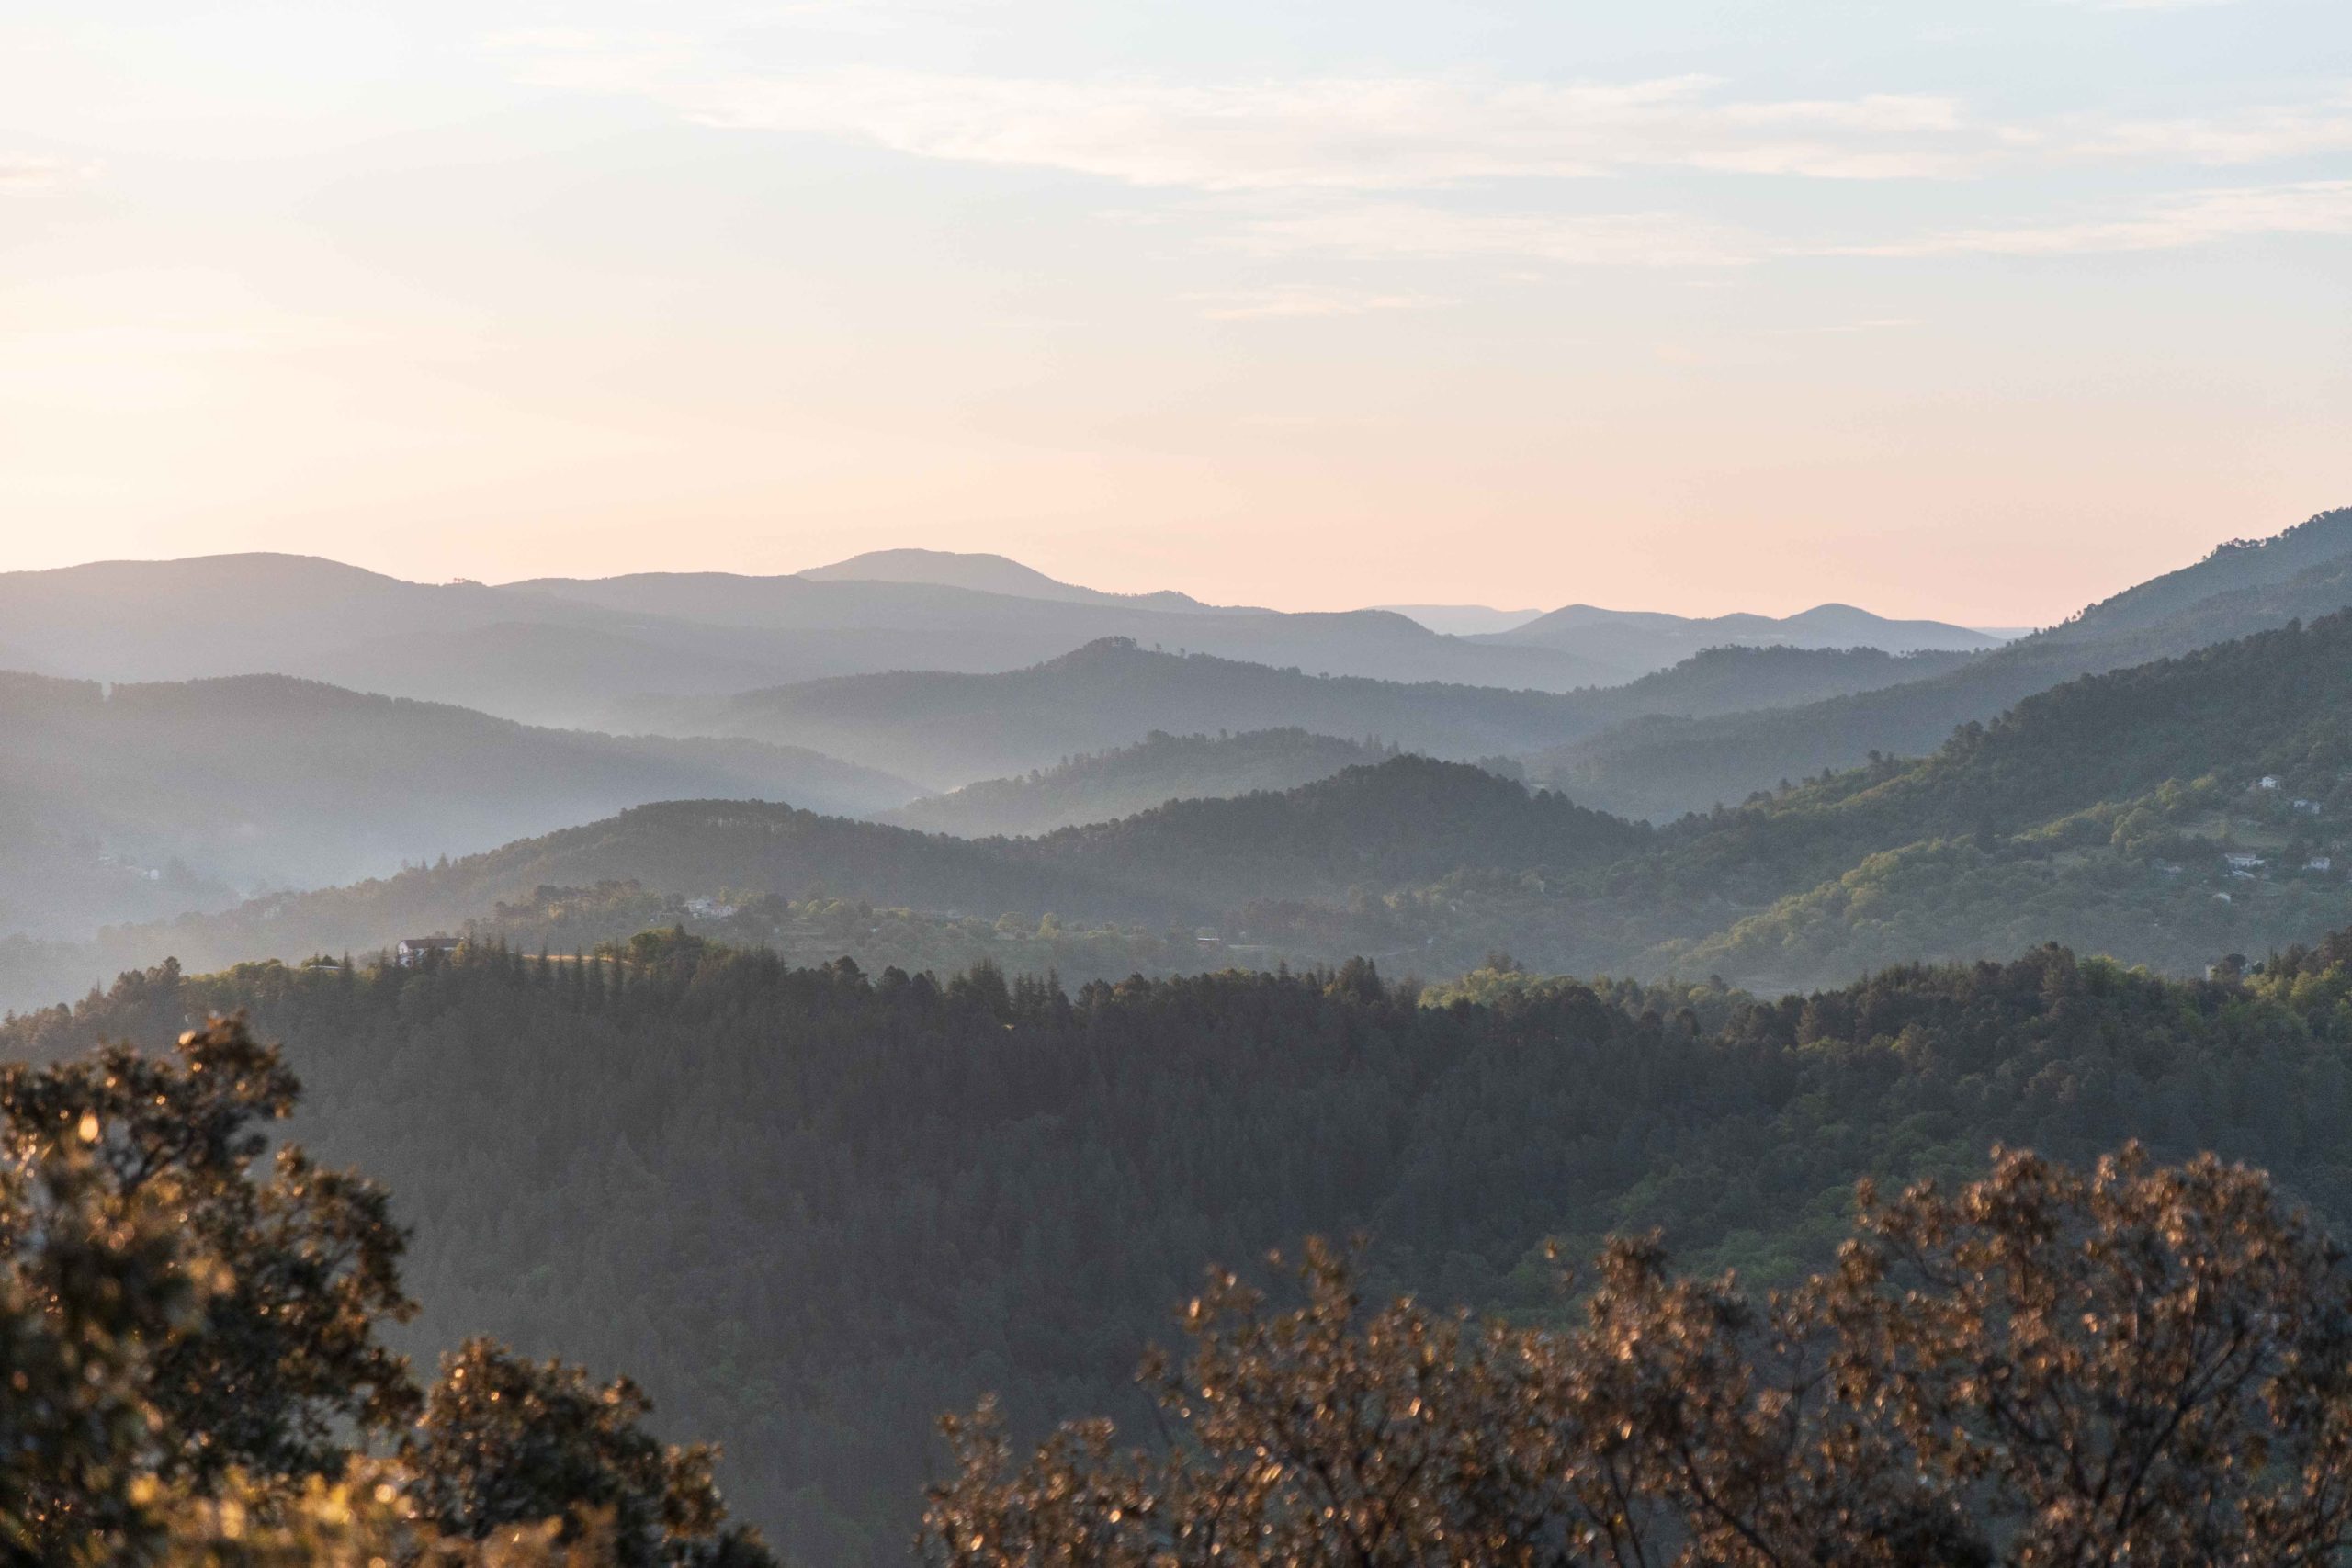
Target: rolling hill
pixel 684 633
pixel 955 629
pixel 951 729
pixel 2102 813
pixel 1100 786
pixel 984 573
pixel 1462 620
pixel 1399 823
pixel 2099 813
pixel 1659 768
pixel 1643 640
pixel 258 780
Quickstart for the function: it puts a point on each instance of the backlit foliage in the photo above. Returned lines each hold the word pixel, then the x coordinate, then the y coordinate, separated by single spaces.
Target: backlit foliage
pixel 2134 1364
pixel 191 1363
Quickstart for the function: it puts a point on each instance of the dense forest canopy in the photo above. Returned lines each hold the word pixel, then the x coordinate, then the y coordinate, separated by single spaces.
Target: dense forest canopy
pixel 812 1207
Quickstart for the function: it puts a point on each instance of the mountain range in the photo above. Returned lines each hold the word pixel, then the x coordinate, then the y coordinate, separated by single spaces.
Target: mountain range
pixel 261 779
pixel 984 573
pixel 950 729
pixel 2101 813
pixel 565 650
pixel 1100 786
pixel 1660 767
pixel 1651 640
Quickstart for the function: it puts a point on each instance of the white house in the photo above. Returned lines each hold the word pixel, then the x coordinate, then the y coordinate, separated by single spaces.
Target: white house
pixel 2268 781
pixel 2244 862
pixel 412 950
pixel 2320 862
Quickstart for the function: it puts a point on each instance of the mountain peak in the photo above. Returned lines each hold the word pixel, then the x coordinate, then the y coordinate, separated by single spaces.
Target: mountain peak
pixel 982 572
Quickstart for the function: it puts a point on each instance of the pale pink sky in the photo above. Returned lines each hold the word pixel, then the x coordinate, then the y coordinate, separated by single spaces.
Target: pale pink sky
pixel 1977 312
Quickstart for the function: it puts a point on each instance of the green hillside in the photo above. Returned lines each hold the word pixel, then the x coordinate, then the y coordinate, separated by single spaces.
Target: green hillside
pixel 2099 814
pixel 1662 767
pixel 813 1208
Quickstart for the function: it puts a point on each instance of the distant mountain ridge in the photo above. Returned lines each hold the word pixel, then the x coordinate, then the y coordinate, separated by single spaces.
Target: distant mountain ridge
pixel 1462 620
pixel 1652 640
pixel 1661 767
pixel 949 729
pixel 1401 821
pixel 984 573
pixel 1104 786
pixel 564 650
pixel 2103 813
pixel 567 648
pixel 266 779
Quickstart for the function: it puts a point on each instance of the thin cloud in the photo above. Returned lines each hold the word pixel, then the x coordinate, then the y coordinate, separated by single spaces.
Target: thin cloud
pixel 24 174
pixel 1346 134
pixel 2256 135
pixel 1412 230
pixel 1394 132
pixel 2177 222
pixel 1839 329
pixel 1267 304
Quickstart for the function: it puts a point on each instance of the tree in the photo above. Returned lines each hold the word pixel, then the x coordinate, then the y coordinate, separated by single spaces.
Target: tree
pixel 189 1346
pixel 2135 1364
pixel 505 1442
pixel 93 1279
pixel 286 1363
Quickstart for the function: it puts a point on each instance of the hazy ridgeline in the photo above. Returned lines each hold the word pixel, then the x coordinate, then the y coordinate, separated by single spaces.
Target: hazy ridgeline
pixel 1658 766
pixel 824 1105
pixel 2105 812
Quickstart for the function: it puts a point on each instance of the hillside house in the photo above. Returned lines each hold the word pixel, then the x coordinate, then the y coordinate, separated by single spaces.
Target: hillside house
pixel 2308 808
pixel 2268 781
pixel 413 950
pixel 2244 865
pixel 2320 862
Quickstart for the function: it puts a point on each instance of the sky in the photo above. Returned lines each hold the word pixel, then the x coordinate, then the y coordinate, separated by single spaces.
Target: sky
pixel 1977 311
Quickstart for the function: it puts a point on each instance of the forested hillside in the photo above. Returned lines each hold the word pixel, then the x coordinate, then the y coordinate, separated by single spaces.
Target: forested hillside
pixel 814 1207
pixel 229 784
pixel 2103 813
pixel 1738 679
pixel 1186 865
pixel 1099 786
pixel 1662 767
pixel 1403 822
